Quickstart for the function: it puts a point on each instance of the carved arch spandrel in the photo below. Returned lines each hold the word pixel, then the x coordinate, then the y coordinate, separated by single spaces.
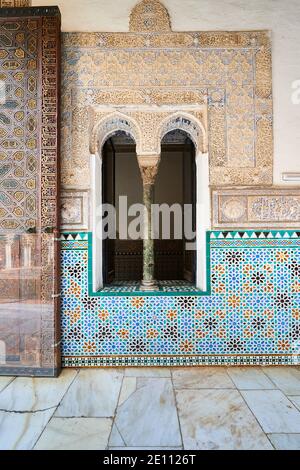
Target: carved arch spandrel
pixel 111 124
pixel 187 123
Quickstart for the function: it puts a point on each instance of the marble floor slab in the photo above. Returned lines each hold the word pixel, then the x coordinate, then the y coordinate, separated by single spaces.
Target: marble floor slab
pixel 129 386
pixel 93 394
pixel 75 434
pixel 296 401
pixel 153 409
pixel 151 372
pixel 20 431
pixel 274 411
pixel 286 379
pixel 35 394
pixel 202 377
pixel 218 420
pixel 285 441
pixel 148 417
pixel 250 378
pixel 4 382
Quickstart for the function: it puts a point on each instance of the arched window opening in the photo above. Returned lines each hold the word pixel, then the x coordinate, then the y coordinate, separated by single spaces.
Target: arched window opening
pixel 175 193
pixel 121 188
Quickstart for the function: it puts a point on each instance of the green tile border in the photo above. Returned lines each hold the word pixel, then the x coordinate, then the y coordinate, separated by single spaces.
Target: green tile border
pixel 147 294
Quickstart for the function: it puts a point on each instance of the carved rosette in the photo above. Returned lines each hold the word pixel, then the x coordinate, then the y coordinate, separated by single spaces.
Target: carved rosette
pixel 149 16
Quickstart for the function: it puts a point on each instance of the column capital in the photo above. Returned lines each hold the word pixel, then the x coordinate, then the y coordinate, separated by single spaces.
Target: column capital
pixel 149 167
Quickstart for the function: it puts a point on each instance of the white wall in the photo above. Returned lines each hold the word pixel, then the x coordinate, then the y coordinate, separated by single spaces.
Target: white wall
pixel 282 17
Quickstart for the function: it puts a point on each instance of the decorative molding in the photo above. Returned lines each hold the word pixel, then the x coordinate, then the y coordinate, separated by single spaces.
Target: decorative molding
pixel 257 208
pixel 74 210
pixel 234 40
pixel 50 118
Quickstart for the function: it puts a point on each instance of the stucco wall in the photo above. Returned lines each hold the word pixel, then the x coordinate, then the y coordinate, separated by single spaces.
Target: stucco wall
pixel 283 18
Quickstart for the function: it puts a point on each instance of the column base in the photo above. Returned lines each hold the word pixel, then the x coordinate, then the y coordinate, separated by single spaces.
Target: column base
pixel 149 286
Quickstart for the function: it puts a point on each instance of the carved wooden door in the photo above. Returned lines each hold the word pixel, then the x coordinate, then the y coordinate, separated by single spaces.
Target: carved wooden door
pixel 29 191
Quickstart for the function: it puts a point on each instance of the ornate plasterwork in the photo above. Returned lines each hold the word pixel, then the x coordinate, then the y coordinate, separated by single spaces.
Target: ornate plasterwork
pixel 259 208
pixel 190 124
pixel 216 86
pixel 149 16
pixel 148 126
pixel 109 123
pixel 228 73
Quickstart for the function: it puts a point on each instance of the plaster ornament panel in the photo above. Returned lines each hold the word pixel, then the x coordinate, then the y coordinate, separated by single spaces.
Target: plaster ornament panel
pixel 217 126
pixel 229 72
pixel 197 40
pixel 234 209
pixel 265 208
pixel 74 210
pixel 149 16
pixel 137 96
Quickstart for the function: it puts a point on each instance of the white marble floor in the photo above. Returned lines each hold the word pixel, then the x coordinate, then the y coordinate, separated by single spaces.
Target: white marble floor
pixel 171 409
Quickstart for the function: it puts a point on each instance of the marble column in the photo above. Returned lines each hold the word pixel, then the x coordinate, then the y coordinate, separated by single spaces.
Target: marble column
pixel 149 169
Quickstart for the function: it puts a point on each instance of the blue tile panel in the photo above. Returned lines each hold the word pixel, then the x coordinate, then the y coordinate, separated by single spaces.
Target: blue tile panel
pixel 251 315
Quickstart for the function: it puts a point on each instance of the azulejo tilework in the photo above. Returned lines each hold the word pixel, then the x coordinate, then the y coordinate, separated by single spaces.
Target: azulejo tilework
pixel 251 316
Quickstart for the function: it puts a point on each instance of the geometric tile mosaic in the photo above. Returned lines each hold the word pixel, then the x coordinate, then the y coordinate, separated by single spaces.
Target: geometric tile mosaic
pixel 19 129
pixel 251 316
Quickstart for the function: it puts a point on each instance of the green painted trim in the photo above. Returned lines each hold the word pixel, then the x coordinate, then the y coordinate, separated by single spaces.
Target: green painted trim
pixel 147 294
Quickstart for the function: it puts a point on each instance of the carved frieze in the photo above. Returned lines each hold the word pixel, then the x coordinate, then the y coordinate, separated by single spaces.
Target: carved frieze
pixel 261 208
